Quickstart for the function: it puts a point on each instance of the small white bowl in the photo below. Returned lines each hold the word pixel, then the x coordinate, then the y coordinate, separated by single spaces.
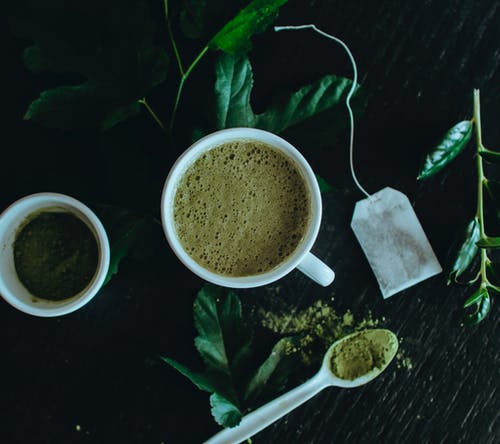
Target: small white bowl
pixel 11 288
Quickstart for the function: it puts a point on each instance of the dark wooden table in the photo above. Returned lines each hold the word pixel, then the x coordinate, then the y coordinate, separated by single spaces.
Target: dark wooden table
pixel 94 376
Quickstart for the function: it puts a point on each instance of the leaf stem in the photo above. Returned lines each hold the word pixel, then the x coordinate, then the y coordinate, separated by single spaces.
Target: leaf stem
pixel 184 73
pixel 172 40
pixel 183 79
pixel 480 172
pixel 196 60
pixel 481 180
pixel 152 113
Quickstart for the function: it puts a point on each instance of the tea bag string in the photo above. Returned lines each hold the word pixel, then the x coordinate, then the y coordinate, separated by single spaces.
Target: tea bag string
pixel 349 95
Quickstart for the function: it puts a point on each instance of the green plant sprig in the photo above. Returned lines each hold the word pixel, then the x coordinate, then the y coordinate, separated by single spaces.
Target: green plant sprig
pixel 184 73
pixel 481 297
pixel 225 344
pixel 476 240
pixel 120 67
pixel 233 38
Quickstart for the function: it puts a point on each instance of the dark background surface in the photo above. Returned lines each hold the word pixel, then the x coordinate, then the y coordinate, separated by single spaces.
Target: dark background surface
pixel 94 376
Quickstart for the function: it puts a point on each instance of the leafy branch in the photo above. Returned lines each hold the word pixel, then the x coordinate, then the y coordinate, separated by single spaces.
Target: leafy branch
pixel 108 66
pixel 224 343
pixel 233 38
pixel 121 62
pixel 183 73
pixel 117 57
pixel 476 240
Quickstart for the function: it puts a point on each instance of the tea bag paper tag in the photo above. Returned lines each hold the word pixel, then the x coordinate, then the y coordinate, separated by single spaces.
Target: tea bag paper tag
pixel 393 241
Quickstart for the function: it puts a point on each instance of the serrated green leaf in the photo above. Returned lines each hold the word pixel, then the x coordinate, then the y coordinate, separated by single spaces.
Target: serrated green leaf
pixel 467 251
pixel 224 338
pixel 224 344
pixel 451 145
pixel 235 36
pixel 271 376
pixel 109 48
pixel 324 186
pixel 304 103
pixel 327 127
pixel 82 106
pixel 234 83
pixel 224 411
pixel 483 306
pixel 474 297
pixel 489 242
pixel 198 379
pixel 490 156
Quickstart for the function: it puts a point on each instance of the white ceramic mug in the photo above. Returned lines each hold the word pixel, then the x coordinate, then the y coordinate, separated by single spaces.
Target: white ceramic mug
pixel 301 258
pixel 12 289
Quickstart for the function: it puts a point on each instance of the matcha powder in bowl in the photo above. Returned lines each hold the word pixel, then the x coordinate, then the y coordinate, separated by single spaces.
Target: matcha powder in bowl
pixel 55 255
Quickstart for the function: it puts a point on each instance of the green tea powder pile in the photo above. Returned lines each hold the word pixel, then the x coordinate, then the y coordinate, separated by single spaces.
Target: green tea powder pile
pixel 55 255
pixel 361 353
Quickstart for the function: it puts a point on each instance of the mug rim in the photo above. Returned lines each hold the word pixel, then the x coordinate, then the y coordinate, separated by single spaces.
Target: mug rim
pixel 34 203
pixel 213 140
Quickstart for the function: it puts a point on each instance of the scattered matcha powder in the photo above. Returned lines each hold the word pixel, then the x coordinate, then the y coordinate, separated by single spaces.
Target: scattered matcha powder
pixel 403 361
pixel 318 326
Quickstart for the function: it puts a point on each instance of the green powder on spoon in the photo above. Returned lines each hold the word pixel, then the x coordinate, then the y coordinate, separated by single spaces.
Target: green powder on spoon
pixel 361 353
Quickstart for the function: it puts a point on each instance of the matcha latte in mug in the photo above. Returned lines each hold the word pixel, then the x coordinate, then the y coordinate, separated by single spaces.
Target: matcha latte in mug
pixel 242 208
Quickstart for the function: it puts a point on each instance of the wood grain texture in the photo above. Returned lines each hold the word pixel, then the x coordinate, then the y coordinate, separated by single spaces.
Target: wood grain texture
pixel 95 376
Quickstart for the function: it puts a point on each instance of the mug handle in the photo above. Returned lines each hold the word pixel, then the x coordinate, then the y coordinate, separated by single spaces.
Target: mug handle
pixel 317 270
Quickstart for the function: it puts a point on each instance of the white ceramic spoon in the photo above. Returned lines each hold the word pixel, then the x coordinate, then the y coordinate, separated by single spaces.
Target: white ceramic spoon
pixel 262 417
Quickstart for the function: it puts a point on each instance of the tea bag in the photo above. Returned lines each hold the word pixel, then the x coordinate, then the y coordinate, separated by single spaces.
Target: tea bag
pixel 393 241
pixel 385 223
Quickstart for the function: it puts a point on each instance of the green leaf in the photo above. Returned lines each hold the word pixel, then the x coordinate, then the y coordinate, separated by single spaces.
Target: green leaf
pixel 233 87
pixel 490 156
pixel 200 19
pixel 475 297
pixel 105 49
pixel 467 251
pixel 215 318
pixel 451 145
pixel 198 379
pixel 235 36
pixel 130 234
pixel 70 107
pixel 224 343
pixel 489 242
pixel 324 186
pixel 224 338
pixel 326 128
pixel 224 412
pixel 483 306
pixel 271 376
